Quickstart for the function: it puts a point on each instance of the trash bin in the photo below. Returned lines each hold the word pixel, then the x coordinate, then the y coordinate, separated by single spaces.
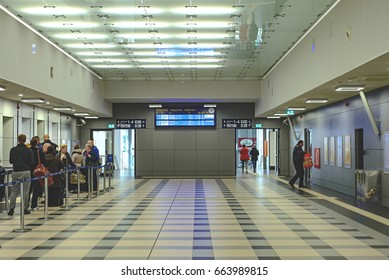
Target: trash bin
pixel 368 187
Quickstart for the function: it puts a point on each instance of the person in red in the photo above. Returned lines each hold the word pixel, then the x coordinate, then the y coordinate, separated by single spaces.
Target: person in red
pixel 244 158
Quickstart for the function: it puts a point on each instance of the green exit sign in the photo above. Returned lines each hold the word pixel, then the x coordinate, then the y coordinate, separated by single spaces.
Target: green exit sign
pixel 258 125
pixel 111 125
pixel 290 112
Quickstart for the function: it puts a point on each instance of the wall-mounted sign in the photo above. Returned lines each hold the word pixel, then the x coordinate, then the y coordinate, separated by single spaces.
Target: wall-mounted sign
pixel 131 123
pixel 290 112
pixel 249 142
pixel 237 123
pixel 258 125
pixel 111 125
pixel 316 158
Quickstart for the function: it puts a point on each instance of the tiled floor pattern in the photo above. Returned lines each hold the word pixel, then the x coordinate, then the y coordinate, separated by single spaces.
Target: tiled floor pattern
pixel 244 218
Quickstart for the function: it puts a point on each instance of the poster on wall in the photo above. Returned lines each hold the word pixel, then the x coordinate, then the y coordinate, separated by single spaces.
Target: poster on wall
pixel 339 151
pixel 317 158
pixel 248 141
pixel 332 150
pixel 347 151
pixel 386 152
pixel 325 159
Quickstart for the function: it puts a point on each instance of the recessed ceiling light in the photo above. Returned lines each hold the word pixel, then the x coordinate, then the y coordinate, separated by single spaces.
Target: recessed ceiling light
pixel 280 114
pixel 297 108
pixel 33 100
pixel 273 117
pixel 91 117
pixel 66 108
pixel 155 106
pixel 81 114
pixel 316 100
pixel 350 88
pixel 20 94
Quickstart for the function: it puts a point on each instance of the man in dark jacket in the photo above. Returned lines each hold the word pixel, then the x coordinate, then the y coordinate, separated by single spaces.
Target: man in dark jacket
pixel 254 153
pixel 22 159
pixel 46 139
pixel 298 161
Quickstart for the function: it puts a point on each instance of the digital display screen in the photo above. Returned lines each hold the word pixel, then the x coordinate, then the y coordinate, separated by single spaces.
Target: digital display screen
pixel 185 117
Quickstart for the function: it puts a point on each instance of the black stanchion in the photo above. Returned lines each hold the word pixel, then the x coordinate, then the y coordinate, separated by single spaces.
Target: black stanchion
pixel 104 180
pixel 66 207
pixel 78 184
pixel 109 177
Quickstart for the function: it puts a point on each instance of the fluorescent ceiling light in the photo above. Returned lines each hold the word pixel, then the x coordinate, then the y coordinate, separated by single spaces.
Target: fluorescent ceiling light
pixel 204 24
pixel 280 114
pixel 145 36
pixel 81 114
pixel 65 108
pixel 131 11
pixel 155 106
pixel 297 108
pixel 316 101
pixel 140 24
pixel 350 88
pixel 106 60
pixel 209 105
pixel 202 36
pixel 273 117
pixel 204 46
pixel 91 117
pixel 33 100
pixel 108 66
pixel 201 66
pixel 76 24
pixel 48 11
pixel 2 88
pixel 72 36
pixel 90 46
pixel 205 10
pixel 99 53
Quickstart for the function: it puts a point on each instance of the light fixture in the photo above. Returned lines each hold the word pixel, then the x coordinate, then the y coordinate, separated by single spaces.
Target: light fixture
pixel 33 100
pixel 155 106
pixel 82 114
pixel 297 108
pixel 280 114
pixel 66 108
pixel 316 100
pixel 273 117
pixel 350 88
pixel 2 88
pixel 209 105
pixel 20 94
pixel 91 117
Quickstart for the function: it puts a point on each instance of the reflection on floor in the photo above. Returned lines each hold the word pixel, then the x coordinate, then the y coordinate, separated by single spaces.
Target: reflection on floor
pixel 250 217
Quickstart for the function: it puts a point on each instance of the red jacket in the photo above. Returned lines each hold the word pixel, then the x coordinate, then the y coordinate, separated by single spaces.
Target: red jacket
pixel 244 154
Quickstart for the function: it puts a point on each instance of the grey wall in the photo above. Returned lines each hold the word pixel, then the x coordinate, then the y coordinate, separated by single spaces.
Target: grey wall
pixel 185 151
pixel 342 119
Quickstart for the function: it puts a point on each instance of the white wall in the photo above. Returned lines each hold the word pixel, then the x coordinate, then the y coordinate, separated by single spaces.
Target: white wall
pixel 303 70
pixel 71 82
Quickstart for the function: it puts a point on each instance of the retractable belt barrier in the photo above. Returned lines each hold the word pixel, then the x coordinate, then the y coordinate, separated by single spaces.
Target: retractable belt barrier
pixel 91 169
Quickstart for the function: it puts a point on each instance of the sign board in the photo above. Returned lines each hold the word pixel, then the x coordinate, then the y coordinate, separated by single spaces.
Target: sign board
pixel 290 112
pixel 237 123
pixel 258 125
pixel 111 125
pixel 131 123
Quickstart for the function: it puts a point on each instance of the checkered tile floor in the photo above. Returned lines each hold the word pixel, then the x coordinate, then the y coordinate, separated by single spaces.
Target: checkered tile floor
pixel 252 217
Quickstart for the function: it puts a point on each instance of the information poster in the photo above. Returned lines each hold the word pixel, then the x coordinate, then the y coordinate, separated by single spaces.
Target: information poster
pixel 339 151
pixel 347 151
pixel 332 151
pixel 386 152
pixel 325 159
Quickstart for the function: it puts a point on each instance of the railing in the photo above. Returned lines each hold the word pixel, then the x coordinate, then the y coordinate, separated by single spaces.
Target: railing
pixel 91 192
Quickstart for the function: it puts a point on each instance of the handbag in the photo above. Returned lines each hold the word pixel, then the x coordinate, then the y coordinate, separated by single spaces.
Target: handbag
pixel 74 179
pixel 307 160
pixel 40 170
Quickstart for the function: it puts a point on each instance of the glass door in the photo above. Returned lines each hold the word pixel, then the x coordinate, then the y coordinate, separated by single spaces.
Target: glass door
pixel 124 152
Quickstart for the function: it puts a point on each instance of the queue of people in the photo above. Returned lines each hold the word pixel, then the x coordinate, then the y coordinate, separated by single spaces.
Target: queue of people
pixel 25 158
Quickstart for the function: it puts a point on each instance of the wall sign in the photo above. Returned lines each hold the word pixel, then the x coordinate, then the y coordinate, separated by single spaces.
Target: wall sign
pixel 317 158
pixel 236 123
pixel 347 151
pixel 130 123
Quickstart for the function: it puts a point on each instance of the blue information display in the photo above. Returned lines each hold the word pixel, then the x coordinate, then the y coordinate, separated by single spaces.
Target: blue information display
pixel 185 117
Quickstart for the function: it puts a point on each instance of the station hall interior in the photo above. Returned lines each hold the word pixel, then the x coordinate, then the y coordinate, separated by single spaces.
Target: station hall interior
pixel 170 91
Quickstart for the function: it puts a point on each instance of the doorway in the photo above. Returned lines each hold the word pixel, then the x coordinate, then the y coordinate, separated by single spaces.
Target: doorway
pixel 124 151
pixel 308 149
pixel 103 140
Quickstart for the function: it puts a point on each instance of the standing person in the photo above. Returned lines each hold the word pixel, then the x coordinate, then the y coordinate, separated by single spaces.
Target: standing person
pixel 94 148
pixel 298 161
pixel 244 158
pixel 54 165
pixel 91 159
pixel 36 188
pixel 46 139
pixel 22 159
pixel 39 144
pixel 254 153
pixel 65 156
pixel 77 156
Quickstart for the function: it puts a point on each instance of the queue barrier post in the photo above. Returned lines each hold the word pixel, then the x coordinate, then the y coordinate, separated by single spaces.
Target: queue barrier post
pixel 89 183
pixel 109 177
pixel 22 228
pixel 66 207
pixel 96 172
pixel 78 184
pixel 104 178
pixel 46 207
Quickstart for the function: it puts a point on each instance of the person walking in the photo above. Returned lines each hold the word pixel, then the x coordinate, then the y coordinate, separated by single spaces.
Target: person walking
pixel 254 153
pixel 298 161
pixel 22 159
pixel 244 158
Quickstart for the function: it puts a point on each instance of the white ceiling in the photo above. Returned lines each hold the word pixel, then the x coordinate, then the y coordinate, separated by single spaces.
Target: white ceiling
pixel 175 39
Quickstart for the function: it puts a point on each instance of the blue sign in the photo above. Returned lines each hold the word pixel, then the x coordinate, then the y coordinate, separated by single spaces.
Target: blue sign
pixel 290 112
pixel 258 125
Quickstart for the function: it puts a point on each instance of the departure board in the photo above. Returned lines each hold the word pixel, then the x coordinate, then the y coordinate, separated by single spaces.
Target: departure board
pixel 185 117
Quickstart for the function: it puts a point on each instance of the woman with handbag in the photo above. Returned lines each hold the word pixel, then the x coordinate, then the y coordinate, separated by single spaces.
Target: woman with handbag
pixel 36 187
pixel 54 164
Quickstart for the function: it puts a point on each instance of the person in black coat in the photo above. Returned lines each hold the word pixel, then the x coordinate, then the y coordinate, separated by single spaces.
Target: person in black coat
pixel 254 153
pixel 298 162
pixel 54 164
pixel 36 188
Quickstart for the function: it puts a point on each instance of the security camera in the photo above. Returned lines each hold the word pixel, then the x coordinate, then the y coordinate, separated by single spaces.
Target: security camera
pixel 83 121
pixel 285 122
